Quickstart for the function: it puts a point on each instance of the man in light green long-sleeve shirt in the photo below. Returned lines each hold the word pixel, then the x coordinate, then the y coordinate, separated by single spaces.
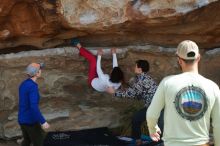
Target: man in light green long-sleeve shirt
pixel 189 101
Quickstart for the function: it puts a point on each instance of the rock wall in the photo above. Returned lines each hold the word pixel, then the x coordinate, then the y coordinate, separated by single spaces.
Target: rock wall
pixel 50 23
pixel 142 29
pixel 66 97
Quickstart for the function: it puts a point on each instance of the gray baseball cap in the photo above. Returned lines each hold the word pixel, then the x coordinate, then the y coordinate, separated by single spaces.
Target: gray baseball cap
pixel 33 68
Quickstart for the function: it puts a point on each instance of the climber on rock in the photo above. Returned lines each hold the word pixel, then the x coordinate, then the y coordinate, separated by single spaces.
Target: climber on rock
pixel 96 78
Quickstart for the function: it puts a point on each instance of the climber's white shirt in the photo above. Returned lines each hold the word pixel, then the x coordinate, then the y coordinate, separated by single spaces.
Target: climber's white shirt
pixel 102 82
pixel 190 100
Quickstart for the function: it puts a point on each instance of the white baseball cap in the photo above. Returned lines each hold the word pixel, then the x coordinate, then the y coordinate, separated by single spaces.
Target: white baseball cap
pixel 188 50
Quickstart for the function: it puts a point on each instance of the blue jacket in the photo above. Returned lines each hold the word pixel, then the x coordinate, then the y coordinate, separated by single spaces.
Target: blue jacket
pixel 29 98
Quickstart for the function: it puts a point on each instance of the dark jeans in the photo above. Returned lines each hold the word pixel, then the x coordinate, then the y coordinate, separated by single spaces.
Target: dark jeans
pixel 137 120
pixel 32 134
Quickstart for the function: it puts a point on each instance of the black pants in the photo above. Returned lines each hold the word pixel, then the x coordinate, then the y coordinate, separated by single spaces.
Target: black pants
pixel 137 120
pixel 32 134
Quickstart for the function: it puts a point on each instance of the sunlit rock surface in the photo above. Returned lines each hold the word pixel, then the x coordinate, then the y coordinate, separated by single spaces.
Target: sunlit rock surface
pixel 49 23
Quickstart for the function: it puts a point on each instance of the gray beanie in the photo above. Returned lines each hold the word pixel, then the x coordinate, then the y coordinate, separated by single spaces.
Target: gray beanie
pixel 33 68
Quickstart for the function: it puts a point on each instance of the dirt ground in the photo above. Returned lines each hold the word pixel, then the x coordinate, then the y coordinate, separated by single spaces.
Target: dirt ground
pixel 8 143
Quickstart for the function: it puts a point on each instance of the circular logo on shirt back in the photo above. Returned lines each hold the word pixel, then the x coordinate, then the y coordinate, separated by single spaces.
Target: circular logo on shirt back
pixel 191 103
